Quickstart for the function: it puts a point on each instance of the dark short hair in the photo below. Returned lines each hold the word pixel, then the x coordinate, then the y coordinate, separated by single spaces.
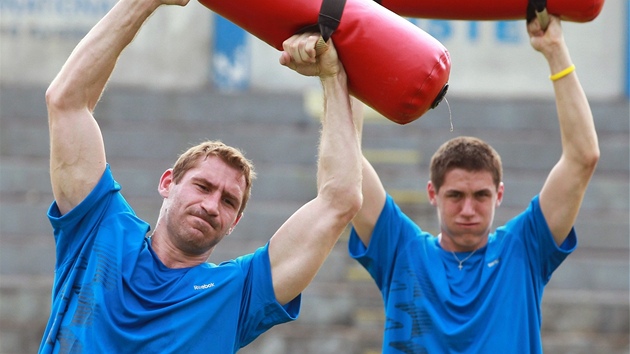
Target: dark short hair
pixel 468 153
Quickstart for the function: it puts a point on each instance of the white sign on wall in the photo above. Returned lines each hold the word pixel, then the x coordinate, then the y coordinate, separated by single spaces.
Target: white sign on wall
pixel 37 36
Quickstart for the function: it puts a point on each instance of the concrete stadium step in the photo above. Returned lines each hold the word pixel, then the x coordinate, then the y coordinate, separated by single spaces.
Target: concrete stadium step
pixel 24 300
pixel 586 311
pixel 127 105
pixel 586 321
pixel 261 142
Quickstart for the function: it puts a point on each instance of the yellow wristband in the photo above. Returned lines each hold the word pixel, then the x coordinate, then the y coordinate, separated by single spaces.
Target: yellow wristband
pixel 563 73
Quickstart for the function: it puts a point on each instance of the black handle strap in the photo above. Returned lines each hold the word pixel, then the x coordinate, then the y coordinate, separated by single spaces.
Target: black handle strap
pixel 330 17
pixel 538 9
pixel 536 5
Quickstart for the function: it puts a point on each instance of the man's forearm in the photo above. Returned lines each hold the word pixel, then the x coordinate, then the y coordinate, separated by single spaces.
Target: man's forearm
pixel 340 151
pixel 87 70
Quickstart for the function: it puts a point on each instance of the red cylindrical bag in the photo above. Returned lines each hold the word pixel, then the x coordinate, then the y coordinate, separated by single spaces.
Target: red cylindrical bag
pixel 392 65
pixel 567 10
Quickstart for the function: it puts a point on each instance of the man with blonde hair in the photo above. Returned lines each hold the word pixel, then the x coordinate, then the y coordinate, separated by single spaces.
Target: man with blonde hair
pixel 119 288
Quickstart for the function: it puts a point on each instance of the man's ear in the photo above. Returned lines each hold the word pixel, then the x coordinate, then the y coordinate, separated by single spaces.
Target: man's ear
pixel 238 218
pixel 166 181
pixel 432 193
pixel 500 191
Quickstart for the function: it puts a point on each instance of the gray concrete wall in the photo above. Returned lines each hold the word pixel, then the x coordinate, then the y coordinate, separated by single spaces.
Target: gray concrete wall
pixel 586 306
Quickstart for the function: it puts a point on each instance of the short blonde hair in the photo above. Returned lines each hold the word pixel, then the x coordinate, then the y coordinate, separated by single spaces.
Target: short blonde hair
pixel 230 155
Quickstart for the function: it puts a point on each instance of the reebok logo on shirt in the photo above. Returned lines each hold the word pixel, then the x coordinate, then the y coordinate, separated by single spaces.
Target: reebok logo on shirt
pixel 204 286
pixel 493 263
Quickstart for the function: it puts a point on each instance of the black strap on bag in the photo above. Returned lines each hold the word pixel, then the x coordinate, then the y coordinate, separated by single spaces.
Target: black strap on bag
pixel 538 9
pixel 328 20
pixel 330 17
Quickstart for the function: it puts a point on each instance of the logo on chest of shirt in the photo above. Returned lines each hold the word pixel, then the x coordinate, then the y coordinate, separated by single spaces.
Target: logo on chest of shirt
pixel 204 286
pixel 493 263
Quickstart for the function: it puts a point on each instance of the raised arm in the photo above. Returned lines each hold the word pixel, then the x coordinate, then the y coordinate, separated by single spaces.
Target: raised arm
pixel 302 244
pixel 563 191
pixel 373 192
pixel 77 153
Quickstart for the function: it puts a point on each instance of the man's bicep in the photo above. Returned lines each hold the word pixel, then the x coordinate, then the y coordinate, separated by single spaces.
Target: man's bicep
pixel 77 156
pixel 561 198
pixel 374 196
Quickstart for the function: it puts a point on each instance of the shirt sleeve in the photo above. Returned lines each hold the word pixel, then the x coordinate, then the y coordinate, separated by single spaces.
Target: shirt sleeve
pixel 73 229
pixel 261 310
pixel 551 254
pixel 531 228
pixel 392 232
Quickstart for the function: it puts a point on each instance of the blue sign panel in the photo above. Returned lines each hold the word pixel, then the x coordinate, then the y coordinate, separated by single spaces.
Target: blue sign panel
pixel 230 59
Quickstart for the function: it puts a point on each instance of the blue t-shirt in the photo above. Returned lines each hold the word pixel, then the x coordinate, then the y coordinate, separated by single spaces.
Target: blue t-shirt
pixel 492 305
pixel 112 294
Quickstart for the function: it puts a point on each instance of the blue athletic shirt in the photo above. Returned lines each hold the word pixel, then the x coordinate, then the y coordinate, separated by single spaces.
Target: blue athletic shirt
pixel 112 294
pixel 491 305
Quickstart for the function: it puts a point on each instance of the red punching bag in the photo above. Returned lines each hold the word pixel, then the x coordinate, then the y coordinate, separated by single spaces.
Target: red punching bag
pixel 567 10
pixel 392 65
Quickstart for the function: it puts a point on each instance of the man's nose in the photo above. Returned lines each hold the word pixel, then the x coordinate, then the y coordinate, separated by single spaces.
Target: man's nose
pixel 468 208
pixel 210 203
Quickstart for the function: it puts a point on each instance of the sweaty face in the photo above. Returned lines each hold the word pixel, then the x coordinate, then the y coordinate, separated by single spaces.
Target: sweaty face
pixel 203 207
pixel 465 203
